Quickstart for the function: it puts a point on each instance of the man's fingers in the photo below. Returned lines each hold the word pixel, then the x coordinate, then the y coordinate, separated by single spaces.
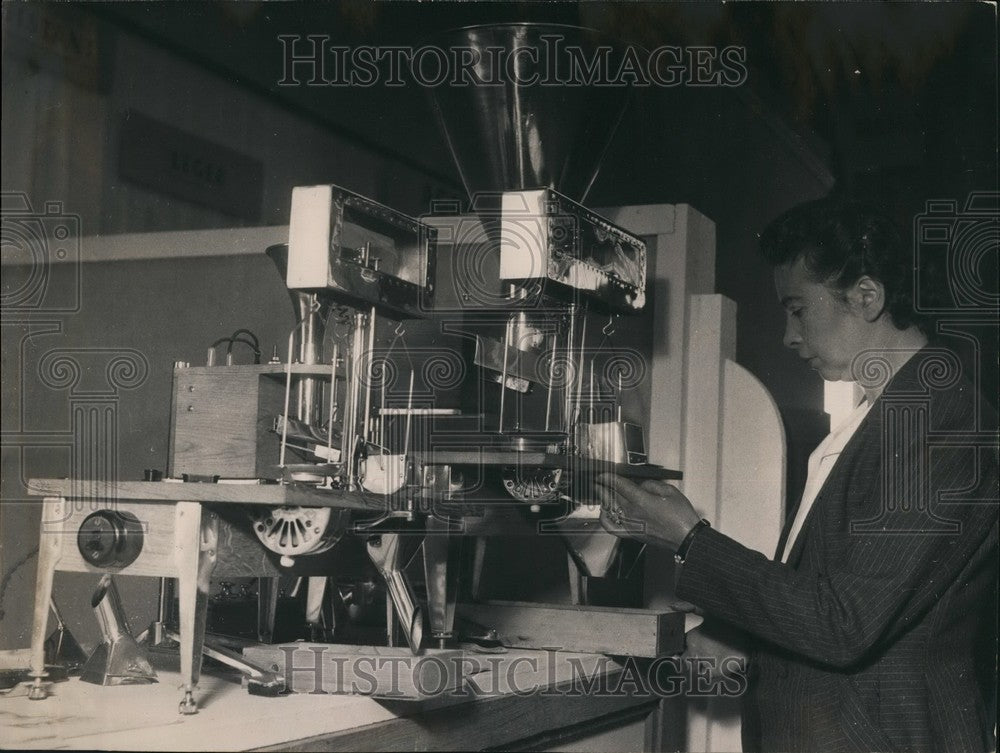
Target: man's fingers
pixel 604 496
pixel 635 492
pixel 605 479
pixel 621 486
pixel 658 487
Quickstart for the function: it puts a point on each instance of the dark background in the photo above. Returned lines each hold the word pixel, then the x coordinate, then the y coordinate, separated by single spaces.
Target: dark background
pixel 894 103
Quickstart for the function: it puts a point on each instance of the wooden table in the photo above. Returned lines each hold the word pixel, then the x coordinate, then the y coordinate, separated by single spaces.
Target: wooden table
pixel 182 541
pixel 185 541
pixel 544 713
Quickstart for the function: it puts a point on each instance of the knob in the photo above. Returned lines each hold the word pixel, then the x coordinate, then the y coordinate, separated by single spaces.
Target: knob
pixel 110 539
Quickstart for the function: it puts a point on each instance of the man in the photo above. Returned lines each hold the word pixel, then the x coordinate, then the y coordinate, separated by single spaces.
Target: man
pixel 867 624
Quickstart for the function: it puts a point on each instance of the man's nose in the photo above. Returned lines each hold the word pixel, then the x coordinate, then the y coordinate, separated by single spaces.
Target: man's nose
pixel 792 338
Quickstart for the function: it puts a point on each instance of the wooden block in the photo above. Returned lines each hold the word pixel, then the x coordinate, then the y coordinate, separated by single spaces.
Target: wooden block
pixel 222 419
pixel 157 557
pixel 601 630
pixel 377 671
pixel 214 426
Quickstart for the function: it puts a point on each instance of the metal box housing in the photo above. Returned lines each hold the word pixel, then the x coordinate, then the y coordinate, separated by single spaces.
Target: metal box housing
pixel 360 251
pixel 546 236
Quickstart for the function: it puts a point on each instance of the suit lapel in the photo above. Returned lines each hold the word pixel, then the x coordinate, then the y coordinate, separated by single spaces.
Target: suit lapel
pixel 905 380
pixel 834 485
pixel 786 529
pixel 795 555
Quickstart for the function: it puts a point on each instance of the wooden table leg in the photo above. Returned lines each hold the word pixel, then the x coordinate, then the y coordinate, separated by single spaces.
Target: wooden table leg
pixel 50 543
pixel 196 551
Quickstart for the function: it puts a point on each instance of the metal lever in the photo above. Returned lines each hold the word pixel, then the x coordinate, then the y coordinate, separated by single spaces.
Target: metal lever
pixel 258 680
pixel 61 648
pixel 388 551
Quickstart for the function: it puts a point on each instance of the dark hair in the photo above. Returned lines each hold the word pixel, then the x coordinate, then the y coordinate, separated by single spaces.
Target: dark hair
pixel 841 241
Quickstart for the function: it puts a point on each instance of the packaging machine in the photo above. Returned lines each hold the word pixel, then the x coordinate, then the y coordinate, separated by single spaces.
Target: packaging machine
pixel 445 372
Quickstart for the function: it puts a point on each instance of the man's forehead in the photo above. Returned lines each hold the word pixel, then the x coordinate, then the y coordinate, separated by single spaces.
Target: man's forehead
pixel 791 279
pixel 790 275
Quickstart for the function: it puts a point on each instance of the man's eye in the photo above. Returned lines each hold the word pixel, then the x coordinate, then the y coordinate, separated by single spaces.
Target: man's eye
pixel 797 313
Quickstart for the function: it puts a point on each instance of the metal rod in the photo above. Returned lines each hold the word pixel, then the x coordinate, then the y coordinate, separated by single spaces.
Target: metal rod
pixel 368 370
pixel 356 389
pixel 619 416
pixel 161 601
pixel 579 376
pixel 390 624
pixel 409 418
pixel 503 374
pixel 346 424
pixel 593 404
pixel 548 395
pixel 350 421
pixel 568 395
pixel 288 393
pixel 332 413
pixel 381 414
pixel 55 611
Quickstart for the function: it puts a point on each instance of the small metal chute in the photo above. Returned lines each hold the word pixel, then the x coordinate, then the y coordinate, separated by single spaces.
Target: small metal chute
pixel 118 659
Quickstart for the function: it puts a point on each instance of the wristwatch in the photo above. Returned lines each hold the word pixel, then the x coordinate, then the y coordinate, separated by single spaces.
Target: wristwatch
pixel 682 550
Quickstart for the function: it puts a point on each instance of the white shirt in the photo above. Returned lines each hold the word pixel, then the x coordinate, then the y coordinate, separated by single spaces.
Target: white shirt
pixel 820 464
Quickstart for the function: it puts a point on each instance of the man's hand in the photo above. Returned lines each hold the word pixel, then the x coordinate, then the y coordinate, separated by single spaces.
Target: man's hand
pixel 653 512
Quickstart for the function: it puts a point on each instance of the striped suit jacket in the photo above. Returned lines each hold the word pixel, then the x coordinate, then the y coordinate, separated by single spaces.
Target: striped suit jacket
pixel 879 633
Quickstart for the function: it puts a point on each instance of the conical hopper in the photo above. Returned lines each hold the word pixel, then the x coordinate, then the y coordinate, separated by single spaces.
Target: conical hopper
pixel 521 115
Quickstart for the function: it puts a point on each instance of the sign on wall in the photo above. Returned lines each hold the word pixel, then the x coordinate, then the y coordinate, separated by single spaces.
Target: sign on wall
pixel 173 162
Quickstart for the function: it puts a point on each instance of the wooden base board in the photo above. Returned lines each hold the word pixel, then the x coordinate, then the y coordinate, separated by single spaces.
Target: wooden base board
pixel 377 671
pixel 595 630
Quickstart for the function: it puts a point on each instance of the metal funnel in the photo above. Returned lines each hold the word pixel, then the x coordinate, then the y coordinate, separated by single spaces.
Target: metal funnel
pixel 118 660
pixel 522 115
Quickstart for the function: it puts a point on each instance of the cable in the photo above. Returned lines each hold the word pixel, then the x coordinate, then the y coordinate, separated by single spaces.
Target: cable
pixel 256 342
pixel 256 350
pixel 10 574
pixel 234 338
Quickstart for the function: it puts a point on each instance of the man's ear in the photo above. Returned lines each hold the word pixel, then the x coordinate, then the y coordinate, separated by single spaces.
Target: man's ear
pixel 869 295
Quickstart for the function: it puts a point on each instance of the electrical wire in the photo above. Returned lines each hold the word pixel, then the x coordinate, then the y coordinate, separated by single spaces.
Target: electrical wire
pixel 10 574
pixel 254 345
pixel 251 335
